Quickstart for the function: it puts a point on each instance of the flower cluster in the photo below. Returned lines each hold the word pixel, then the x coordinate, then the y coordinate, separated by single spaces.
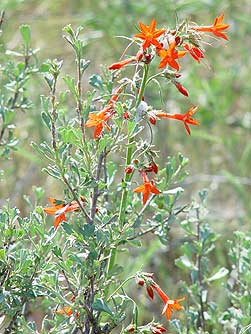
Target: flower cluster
pixel 169 304
pixel 166 42
pixel 169 46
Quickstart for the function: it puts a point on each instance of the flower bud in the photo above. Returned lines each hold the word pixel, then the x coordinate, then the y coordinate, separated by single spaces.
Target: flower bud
pixel 126 115
pixel 140 281
pixel 150 292
pixel 128 170
pixel 148 58
pixel 177 40
pixel 152 119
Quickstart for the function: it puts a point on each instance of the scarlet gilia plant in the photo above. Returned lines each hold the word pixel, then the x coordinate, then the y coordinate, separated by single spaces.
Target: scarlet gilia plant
pixel 114 190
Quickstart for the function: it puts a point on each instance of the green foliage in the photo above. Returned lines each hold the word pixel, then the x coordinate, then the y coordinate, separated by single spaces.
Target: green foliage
pixel 238 285
pixel 87 266
pixel 201 312
pixel 17 70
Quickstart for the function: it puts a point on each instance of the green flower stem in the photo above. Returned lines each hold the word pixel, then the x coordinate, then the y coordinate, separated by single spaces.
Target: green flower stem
pixel 143 85
pixel 120 286
pixel 127 177
pixel 129 152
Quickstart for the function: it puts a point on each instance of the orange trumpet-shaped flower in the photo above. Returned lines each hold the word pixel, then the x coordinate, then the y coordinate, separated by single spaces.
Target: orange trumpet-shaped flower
pixel 170 304
pixel 150 35
pixel 66 310
pixel 99 120
pixel 59 209
pixel 168 56
pixel 185 118
pixel 216 28
pixel 147 188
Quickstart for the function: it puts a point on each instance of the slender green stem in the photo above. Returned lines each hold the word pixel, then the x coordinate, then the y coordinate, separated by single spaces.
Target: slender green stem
pixel 127 177
pixel 153 77
pixel 143 85
pixel 129 152
pixel 120 286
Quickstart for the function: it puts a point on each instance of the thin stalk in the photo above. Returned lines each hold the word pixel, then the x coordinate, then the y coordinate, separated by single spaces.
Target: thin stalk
pixel 119 287
pixel 130 150
pixel 199 258
pixel 155 227
pixel 106 197
pixel 96 190
pixel 79 100
pixel 88 218
pixel 2 18
pixel 54 116
pixel 127 177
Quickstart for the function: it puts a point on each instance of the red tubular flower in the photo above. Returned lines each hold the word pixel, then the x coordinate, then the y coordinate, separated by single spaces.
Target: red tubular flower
pixel 186 118
pixel 115 96
pixel 180 88
pixel 170 304
pixel 122 63
pixel 147 188
pixel 196 53
pixel 59 210
pixel 150 35
pixel 216 28
pixel 169 56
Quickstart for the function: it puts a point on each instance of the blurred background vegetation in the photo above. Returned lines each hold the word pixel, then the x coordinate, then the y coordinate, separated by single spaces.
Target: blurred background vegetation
pixel 219 150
